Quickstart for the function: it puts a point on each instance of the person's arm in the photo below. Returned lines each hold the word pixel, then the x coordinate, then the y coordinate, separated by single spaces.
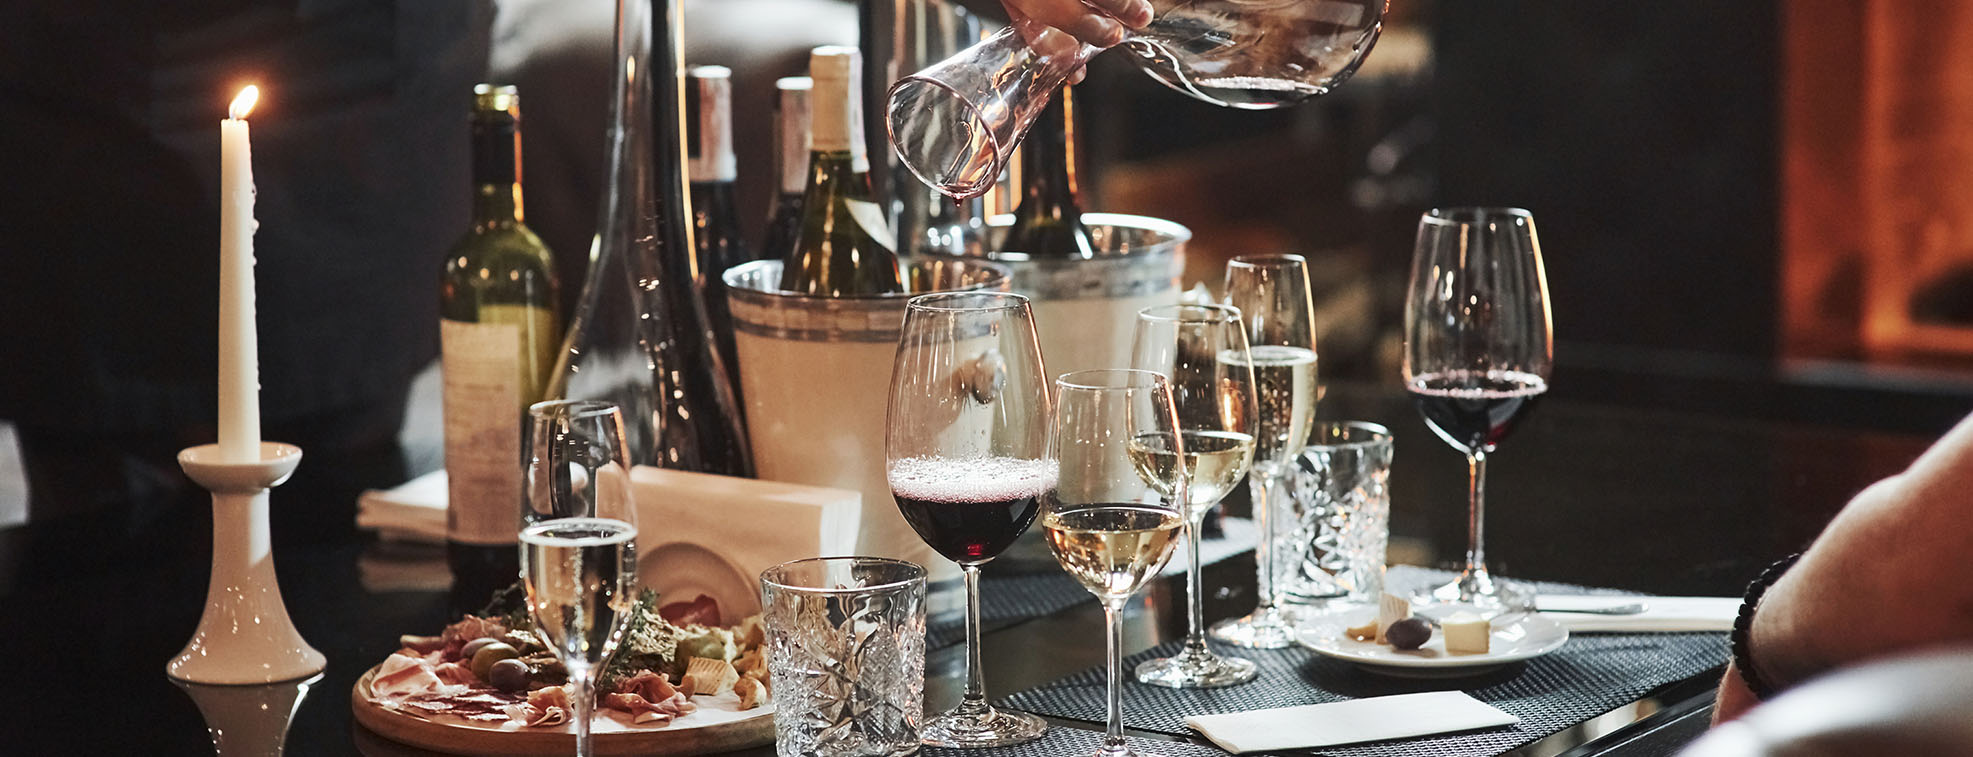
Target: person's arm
pixel 1885 576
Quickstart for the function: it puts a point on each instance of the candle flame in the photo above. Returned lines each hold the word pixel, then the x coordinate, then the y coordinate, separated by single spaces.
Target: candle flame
pixel 243 104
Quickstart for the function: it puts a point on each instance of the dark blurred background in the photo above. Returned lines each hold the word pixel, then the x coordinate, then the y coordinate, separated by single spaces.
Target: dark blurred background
pixel 1750 209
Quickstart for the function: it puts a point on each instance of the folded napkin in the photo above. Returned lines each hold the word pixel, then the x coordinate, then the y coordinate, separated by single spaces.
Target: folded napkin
pixel 413 511
pixel 1662 614
pixel 697 533
pixel 1351 722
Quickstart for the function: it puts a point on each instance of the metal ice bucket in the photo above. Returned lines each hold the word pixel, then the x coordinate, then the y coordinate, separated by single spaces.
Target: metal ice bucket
pixel 816 375
pixel 1086 309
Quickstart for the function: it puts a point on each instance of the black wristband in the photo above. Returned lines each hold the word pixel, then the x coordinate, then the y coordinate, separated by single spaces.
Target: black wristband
pixel 1743 625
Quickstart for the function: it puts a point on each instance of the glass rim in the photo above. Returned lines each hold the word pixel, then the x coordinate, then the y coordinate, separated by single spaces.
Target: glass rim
pixel 1158 313
pixel 1141 379
pixel 914 574
pixel 1463 215
pixel 1268 260
pixel 575 409
pixel 1378 435
pixel 1001 301
pixel 537 532
pixel 972 111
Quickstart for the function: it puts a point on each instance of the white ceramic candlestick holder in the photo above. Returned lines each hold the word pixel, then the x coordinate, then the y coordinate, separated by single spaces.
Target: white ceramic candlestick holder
pixel 245 636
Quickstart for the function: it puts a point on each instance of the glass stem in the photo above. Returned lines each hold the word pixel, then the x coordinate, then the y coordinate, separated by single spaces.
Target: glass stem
pixel 975 701
pixel 585 705
pixel 1195 612
pixel 1264 547
pixel 1113 737
pixel 1476 510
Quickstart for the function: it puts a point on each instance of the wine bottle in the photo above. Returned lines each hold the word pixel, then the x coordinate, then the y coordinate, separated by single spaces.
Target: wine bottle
pixel 784 219
pixel 640 336
pixel 715 220
pixel 845 248
pixel 1048 222
pixel 499 332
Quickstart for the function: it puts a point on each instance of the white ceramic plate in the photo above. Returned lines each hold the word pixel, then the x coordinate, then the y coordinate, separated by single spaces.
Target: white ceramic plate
pixel 1516 637
pixel 680 572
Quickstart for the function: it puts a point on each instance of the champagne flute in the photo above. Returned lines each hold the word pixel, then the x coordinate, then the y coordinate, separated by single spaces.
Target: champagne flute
pixel 579 541
pixel 1111 525
pixel 1477 354
pixel 965 455
pixel 1215 404
pixel 1272 295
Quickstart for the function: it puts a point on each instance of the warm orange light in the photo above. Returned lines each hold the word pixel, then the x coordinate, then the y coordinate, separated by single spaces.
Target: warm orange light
pixel 243 104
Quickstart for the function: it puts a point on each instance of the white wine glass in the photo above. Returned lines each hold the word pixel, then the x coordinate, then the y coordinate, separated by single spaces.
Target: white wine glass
pixel 1214 398
pixel 1111 526
pixel 578 541
pixel 1278 314
pixel 1478 350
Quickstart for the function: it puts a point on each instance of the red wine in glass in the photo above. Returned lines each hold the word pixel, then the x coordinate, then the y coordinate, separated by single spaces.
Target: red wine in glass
pixel 969 510
pixel 1474 410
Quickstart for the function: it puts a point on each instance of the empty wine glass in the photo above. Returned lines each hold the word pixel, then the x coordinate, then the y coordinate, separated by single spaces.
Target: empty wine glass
pixel 965 458
pixel 1477 354
pixel 1111 521
pixel 579 544
pixel 955 124
pixel 1215 404
pixel 1278 314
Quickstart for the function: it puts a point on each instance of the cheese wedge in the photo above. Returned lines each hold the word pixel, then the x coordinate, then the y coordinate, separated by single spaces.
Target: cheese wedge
pixel 1390 609
pixel 1466 633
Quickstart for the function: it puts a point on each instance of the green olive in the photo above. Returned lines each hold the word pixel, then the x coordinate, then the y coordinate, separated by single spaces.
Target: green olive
pixel 484 659
pixel 473 647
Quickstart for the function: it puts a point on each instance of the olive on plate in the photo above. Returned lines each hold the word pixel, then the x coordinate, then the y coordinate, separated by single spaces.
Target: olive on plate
pixel 1410 633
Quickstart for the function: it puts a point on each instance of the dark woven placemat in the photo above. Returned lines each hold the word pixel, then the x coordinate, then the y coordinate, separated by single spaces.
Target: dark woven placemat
pixel 1075 742
pixel 1588 676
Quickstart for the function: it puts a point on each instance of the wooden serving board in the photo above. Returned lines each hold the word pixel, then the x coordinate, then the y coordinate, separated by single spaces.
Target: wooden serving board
pixel 718 726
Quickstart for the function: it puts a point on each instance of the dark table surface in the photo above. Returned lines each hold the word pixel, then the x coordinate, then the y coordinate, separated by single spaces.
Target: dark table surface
pixel 91 607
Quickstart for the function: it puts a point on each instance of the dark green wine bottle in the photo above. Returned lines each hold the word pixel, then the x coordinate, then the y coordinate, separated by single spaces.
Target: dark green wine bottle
pixel 845 248
pixel 499 334
pixel 1048 222
pixel 715 218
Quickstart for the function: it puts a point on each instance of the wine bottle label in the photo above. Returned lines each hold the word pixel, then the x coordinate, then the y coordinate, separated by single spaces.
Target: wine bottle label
pixel 482 380
pixel 870 216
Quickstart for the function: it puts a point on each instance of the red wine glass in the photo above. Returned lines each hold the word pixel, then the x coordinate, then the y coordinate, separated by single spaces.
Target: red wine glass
pixel 1478 351
pixel 966 457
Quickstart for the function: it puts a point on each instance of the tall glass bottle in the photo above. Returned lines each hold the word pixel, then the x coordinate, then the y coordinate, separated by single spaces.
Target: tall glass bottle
pixel 845 248
pixel 784 220
pixel 498 331
pixel 715 219
pixel 640 336
pixel 1048 222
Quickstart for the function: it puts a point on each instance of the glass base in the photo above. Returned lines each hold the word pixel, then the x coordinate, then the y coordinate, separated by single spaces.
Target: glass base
pixel 959 729
pixel 1196 669
pixel 1479 590
pixel 1264 628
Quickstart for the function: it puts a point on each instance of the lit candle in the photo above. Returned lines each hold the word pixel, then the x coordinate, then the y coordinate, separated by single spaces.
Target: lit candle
pixel 239 356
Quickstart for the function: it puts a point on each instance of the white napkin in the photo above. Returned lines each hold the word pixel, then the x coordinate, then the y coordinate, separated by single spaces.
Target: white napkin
pixel 697 533
pixel 1351 722
pixel 1666 614
pixel 703 534
pixel 413 511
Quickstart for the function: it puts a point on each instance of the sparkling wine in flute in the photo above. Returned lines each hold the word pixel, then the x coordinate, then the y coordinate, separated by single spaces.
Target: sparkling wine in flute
pixel 581 575
pixel 1113 549
pixel 1474 410
pixel 969 510
pixel 1284 390
pixel 1216 460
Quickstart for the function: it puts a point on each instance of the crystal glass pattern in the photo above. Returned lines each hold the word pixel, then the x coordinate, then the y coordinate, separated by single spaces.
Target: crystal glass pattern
pixel 846 650
pixel 1340 492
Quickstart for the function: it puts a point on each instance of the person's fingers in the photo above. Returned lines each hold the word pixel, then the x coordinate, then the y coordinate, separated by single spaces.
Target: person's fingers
pixel 1047 41
pixel 1133 13
pixel 1081 21
pixel 1080 74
